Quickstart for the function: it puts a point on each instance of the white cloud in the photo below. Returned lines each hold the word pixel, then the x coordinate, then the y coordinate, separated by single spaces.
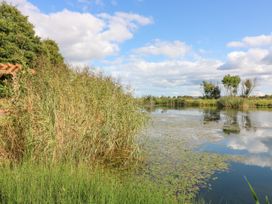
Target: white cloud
pixel 177 68
pixel 169 49
pixel 169 77
pixel 253 41
pixel 254 61
pixel 235 44
pixel 83 36
pixel 250 60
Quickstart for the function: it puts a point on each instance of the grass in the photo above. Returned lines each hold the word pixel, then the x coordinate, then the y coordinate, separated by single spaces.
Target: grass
pixel 232 102
pixel 223 102
pixel 61 115
pixel 69 184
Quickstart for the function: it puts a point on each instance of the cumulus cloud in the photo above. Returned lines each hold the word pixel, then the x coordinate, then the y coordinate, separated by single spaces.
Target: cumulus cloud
pixel 253 41
pixel 253 60
pixel 165 48
pixel 250 60
pixel 169 76
pixel 159 67
pixel 83 36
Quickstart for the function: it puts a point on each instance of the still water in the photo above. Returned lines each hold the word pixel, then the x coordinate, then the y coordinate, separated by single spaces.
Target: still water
pixel 247 135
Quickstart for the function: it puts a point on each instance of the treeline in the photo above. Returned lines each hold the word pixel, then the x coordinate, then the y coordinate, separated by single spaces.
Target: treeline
pixel 231 85
pixel 237 95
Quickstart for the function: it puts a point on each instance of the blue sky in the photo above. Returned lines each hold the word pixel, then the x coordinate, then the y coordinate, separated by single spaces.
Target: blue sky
pixel 161 47
pixel 204 24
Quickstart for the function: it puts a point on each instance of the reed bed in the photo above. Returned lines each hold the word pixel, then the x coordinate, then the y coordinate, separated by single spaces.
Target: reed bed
pixel 61 115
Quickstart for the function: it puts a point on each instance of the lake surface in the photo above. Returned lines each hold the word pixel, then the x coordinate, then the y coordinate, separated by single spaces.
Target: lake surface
pixel 210 132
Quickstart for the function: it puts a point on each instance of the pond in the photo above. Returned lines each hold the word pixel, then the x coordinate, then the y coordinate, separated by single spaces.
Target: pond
pixel 208 152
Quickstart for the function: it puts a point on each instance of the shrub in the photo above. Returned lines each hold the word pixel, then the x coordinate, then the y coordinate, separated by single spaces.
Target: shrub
pixel 18 42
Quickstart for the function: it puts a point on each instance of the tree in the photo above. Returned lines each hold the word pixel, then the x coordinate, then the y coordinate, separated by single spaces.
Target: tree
pixel 18 42
pixel 52 52
pixel 211 90
pixel 231 84
pixel 248 86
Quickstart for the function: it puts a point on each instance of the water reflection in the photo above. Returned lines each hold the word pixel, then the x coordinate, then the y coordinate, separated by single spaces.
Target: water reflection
pixel 249 132
pixel 231 125
pixel 174 134
pixel 211 115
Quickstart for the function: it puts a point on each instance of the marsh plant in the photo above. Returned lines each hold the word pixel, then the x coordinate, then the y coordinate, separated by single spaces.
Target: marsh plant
pixel 61 115
pixel 254 194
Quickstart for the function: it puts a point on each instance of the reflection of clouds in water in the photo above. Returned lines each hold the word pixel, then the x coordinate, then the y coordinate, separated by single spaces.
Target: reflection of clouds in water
pixel 250 132
pixel 262 161
pixel 253 142
pixel 261 119
pixel 255 137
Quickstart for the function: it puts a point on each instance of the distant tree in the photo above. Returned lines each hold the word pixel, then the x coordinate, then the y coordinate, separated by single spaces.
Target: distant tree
pixel 18 42
pixel 211 90
pixel 231 84
pixel 248 86
pixel 52 52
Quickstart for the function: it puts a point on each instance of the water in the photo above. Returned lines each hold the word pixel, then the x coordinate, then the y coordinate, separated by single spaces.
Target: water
pixel 247 135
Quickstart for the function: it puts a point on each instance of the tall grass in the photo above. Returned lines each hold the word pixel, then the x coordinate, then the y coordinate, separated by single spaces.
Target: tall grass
pixel 69 184
pixel 231 102
pixel 61 115
pixel 244 103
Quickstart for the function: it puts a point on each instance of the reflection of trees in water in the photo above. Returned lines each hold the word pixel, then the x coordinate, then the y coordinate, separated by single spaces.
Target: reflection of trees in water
pixel 234 124
pixel 211 115
pixel 246 122
pixel 231 125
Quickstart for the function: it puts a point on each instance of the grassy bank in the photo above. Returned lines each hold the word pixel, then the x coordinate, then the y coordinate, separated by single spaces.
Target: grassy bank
pixel 60 115
pixel 223 102
pixel 70 184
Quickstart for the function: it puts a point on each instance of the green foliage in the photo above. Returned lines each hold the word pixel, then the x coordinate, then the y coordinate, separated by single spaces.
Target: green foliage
pixel 231 102
pixel 6 88
pixel 67 184
pixel 18 42
pixel 231 84
pixel 211 90
pixel 52 52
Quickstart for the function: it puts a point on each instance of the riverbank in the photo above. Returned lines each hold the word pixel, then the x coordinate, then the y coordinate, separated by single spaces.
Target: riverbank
pixel 66 184
pixel 223 102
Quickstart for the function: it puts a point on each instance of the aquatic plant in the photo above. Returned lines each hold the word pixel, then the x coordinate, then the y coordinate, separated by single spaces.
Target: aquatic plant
pixel 254 194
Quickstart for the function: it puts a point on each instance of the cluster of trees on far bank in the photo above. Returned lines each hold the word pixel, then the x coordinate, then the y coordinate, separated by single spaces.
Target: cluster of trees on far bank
pixel 231 85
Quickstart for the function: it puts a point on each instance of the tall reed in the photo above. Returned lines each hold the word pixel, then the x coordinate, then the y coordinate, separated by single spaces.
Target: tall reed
pixel 61 115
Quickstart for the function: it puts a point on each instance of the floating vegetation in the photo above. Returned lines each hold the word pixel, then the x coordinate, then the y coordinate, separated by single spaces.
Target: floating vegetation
pixel 171 160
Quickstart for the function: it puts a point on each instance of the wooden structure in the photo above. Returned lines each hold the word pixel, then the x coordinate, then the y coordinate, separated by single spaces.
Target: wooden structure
pixel 9 69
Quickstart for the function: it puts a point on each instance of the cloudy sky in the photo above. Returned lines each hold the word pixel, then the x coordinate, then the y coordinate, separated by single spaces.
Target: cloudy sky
pixel 161 47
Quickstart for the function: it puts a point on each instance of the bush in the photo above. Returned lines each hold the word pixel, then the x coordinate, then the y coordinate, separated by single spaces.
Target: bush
pixel 18 42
